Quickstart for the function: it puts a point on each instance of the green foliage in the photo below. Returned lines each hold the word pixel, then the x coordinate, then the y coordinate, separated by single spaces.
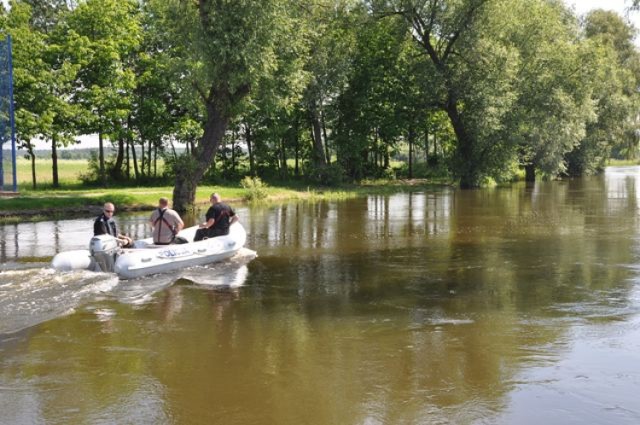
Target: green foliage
pixel 614 65
pixel 328 91
pixel 255 188
pixel 328 175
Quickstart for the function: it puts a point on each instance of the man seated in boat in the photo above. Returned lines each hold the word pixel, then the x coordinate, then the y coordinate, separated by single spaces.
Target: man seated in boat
pixel 106 225
pixel 219 217
pixel 165 223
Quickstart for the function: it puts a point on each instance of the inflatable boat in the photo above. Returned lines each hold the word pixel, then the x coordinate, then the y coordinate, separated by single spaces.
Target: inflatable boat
pixel 145 258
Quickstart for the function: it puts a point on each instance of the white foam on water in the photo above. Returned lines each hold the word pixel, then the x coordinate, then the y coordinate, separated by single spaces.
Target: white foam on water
pixel 32 296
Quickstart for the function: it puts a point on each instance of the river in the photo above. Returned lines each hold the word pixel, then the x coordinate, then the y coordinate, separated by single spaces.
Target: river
pixel 511 305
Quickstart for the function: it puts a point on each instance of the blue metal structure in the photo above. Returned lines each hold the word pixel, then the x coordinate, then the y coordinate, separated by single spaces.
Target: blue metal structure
pixel 8 174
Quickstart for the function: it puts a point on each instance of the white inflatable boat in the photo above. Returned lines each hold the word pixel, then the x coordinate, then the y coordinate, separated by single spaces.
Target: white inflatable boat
pixel 146 258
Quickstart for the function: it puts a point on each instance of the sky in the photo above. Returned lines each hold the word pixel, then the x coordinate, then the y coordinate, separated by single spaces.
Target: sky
pixel 620 6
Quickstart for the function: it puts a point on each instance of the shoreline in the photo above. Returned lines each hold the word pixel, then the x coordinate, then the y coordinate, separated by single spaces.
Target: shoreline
pixel 64 206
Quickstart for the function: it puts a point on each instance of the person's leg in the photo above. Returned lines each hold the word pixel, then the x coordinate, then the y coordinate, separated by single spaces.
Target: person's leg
pixel 200 234
pixel 218 232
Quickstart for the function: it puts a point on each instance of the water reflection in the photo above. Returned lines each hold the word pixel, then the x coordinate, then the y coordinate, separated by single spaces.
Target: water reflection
pixel 508 305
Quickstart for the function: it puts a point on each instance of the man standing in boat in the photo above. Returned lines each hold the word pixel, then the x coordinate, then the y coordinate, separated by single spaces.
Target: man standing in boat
pixel 106 225
pixel 219 217
pixel 165 223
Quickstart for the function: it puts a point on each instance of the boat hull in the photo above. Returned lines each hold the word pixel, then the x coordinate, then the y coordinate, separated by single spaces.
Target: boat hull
pixel 148 259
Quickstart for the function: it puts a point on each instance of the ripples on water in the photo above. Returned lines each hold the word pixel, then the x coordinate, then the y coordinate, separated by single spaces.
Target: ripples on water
pixel 29 295
pixel 516 305
pixel 32 296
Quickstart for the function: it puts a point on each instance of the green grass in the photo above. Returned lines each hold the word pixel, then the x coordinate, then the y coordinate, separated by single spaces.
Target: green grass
pixel 69 171
pixel 623 162
pixel 75 199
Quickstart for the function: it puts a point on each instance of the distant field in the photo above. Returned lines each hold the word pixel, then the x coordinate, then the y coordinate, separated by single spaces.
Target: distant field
pixel 623 162
pixel 68 171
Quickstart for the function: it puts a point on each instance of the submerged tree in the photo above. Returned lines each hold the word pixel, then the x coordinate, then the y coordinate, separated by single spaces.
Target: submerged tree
pixel 472 76
pixel 615 64
pixel 552 86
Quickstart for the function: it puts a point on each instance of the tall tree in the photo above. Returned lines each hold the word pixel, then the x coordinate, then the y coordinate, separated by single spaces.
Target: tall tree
pixel 472 77
pixel 331 27
pixel 222 49
pixel 371 106
pixel 616 74
pixel 552 87
pixel 46 14
pixel 106 82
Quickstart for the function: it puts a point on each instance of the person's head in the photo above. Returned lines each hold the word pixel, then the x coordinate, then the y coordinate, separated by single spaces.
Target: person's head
pixel 163 202
pixel 109 209
pixel 215 198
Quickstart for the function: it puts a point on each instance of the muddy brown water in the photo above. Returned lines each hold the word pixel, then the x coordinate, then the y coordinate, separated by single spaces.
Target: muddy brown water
pixel 516 305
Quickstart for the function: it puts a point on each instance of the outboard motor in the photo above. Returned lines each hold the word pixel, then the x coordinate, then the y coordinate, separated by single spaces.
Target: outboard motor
pixel 105 250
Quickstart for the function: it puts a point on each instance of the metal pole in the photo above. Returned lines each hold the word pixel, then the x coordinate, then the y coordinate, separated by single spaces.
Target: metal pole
pixel 11 117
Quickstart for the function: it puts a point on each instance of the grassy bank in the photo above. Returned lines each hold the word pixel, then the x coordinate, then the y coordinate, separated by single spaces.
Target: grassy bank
pixel 73 199
pixel 622 162
pixel 76 201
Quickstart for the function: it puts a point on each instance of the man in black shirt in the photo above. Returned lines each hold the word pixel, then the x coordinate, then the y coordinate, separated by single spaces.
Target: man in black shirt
pixel 219 217
pixel 106 225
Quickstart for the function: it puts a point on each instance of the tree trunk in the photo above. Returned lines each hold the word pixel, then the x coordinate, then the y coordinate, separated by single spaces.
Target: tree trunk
pixel 149 159
pixel 283 158
pixel 54 161
pixel 135 161
pixel 426 145
pixel 130 145
pixel 319 159
pixel 410 138
pixel 103 175
pixel 117 167
pixel 435 145
pixel 296 149
pixel 529 173
pixel 219 104
pixel 326 140
pixel 128 166
pixel 248 139
pixel 233 152
pixel 386 158
pixel 375 147
pixel 143 159
pixel 184 193
pixel 467 164
pixel 155 160
pixel 33 168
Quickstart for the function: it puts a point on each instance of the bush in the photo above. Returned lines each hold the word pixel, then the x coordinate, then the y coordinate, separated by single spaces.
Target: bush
pixel 329 175
pixel 388 173
pixel 256 188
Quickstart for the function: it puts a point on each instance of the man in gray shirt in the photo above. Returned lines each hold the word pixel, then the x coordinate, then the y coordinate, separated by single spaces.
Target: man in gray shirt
pixel 165 223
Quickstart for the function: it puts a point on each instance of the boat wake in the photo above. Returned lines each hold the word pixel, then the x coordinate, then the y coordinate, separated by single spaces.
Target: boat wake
pixel 32 296
pixel 231 273
pixel 29 296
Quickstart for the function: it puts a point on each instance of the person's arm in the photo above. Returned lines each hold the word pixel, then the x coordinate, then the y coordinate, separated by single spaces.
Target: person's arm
pixel 179 225
pixel 99 228
pixel 207 224
pixel 232 216
pixel 126 240
pixel 152 219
